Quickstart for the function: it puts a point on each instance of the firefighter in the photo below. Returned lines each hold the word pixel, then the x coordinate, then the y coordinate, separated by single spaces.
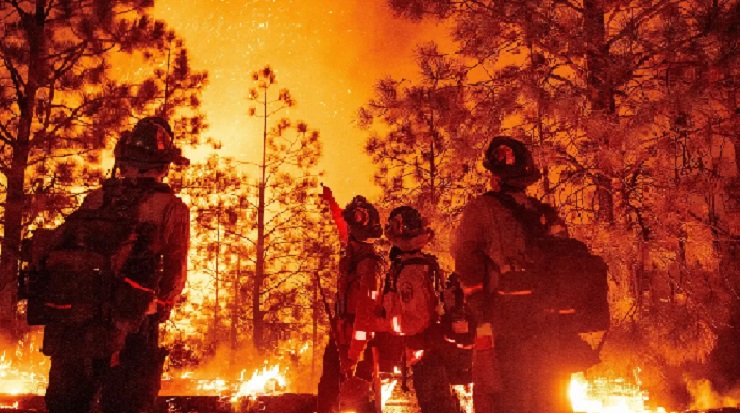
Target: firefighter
pixel 116 352
pixel 362 270
pixel 412 306
pixel 513 360
pixel 357 314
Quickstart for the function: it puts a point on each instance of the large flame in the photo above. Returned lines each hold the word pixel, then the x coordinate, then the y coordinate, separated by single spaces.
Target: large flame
pixel 706 397
pixel 269 380
pixel 19 379
pixel 602 395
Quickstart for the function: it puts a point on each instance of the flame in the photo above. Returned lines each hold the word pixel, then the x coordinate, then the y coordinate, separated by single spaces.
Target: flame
pixel 269 380
pixel 465 396
pixel 396 325
pixel 705 397
pixel 216 386
pixel 386 390
pixel 17 380
pixel 602 395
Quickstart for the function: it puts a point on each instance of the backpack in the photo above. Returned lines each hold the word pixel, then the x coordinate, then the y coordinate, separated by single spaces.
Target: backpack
pixel 410 296
pixel 97 265
pixel 568 282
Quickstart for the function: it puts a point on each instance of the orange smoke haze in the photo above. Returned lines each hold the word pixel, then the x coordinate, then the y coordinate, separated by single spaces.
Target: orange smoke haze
pixel 329 53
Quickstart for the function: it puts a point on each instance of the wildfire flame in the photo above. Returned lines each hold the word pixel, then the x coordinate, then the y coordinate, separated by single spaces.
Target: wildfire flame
pixel 386 391
pixel 602 395
pixel 16 380
pixel 269 380
pixel 465 396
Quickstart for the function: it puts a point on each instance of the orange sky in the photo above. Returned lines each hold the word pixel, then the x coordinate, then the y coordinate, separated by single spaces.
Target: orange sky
pixel 329 53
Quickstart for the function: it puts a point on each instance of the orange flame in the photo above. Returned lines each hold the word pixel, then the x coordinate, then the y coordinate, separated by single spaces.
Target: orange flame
pixel 602 395
pixel 17 380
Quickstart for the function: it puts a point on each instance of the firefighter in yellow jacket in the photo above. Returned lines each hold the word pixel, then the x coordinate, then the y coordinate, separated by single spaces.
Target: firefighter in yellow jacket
pixel 111 273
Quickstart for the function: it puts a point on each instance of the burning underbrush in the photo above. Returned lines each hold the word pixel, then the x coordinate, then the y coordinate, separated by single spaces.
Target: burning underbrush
pixel 628 395
pixel 237 374
pixel 23 369
pixel 240 379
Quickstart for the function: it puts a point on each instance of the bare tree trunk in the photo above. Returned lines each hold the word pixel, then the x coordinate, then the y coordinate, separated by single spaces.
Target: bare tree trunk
pixel 315 332
pixel 597 57
pixel 34 26
pixel 259 276
pixel 432 172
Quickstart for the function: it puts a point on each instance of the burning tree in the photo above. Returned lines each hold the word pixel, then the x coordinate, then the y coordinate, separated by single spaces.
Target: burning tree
pixel 631 109
pixel 62 103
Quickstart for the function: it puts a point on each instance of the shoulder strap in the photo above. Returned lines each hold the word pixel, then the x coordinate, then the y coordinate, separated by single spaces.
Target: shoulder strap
pixel 528 218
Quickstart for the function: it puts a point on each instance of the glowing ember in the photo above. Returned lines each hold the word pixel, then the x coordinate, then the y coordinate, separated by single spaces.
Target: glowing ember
pixel 602 395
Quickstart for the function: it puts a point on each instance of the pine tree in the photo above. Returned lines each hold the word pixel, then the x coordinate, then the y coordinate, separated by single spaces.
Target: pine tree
pixel 418 134
pixel 288 175
pixel 62 101
pixel 630 107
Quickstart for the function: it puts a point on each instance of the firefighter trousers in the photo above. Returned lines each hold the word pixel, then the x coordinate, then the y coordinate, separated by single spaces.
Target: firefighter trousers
pixel 127 385
pixel 432 384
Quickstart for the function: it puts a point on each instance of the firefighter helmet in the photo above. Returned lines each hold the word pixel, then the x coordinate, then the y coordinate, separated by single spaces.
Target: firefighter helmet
pixel 406 222
pixel 362 219
pixel 149 145
pixel 509 159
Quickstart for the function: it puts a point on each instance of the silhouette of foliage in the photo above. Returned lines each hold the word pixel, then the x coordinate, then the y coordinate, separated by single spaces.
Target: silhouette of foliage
pixel 64 98
pixel 630 110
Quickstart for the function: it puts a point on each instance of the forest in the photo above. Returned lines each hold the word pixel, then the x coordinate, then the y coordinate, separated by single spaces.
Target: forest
pixel 630 109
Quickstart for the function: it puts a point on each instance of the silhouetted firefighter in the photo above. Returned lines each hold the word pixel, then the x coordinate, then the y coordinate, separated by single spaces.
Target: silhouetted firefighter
pixel 357 314
pixel 411 299
pixel 103 280
pixel 531 288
